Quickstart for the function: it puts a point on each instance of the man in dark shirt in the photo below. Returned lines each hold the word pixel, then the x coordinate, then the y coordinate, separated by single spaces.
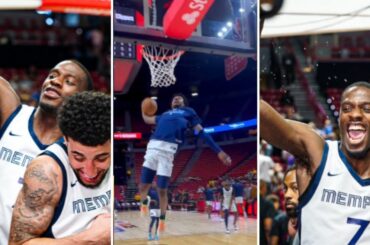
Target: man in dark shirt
pixel 267 213
pixel 279 232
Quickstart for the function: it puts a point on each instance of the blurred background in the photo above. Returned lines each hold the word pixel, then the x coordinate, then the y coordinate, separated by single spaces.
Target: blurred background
pixel 309 52
pixel 34 41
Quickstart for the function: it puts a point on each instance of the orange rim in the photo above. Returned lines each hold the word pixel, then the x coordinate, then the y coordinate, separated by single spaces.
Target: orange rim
pixel 165 57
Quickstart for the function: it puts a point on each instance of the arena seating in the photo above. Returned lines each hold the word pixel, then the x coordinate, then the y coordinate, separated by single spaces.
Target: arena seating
pixel 273 97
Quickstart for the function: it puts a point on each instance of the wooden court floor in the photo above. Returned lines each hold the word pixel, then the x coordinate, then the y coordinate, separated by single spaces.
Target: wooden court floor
pixel 184 228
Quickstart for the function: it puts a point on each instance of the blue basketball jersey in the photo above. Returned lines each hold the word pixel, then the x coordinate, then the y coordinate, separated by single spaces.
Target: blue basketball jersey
pixel 209 194
pixel 238 187
pixel 172 124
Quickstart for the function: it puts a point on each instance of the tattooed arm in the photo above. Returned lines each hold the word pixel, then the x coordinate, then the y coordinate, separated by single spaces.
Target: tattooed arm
pixel 36 204
pixel 36 201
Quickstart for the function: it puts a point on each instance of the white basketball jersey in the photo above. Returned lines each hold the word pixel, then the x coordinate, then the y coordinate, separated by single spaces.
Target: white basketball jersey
pixel 228 195
pixel 78 205
pixel 335 208
pixel 18 146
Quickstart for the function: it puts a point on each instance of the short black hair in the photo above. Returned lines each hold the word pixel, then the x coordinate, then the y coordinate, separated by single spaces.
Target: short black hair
pixel 291 168
pixel 89 80
pixel 85 117
pixel 357 84
pixel 186 102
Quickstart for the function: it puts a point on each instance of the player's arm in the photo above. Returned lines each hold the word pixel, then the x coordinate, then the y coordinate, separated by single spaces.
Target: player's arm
pixel 35 207
pixel 36 201
pixel 295 137
pixel 9 100
pixel 226 159
pixel 149 119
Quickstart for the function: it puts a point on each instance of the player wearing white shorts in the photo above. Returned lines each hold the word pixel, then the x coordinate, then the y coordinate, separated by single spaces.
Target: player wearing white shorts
pixel 239 191
pixel 228 204
pixel 26 131
pixel 164 143
pixel 209 196
pixel 333 180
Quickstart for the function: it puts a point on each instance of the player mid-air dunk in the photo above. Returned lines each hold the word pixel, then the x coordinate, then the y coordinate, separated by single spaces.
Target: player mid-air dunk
pixel 164 143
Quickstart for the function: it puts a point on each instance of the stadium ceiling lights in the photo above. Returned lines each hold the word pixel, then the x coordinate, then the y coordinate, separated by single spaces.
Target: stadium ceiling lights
pixel 301 17
pixel 94 7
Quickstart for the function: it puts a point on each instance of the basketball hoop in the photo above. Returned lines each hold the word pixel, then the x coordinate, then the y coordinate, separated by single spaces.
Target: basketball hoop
pixel 162 62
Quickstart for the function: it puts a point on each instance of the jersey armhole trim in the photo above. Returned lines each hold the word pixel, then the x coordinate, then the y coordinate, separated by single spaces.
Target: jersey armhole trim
pixel 314 183
pixel 40 145
pixel 362 182
pixel 59 208
pixel 9 120
pixel 311 189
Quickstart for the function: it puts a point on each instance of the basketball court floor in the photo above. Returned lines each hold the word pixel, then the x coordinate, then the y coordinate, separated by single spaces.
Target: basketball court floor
pixel 184 228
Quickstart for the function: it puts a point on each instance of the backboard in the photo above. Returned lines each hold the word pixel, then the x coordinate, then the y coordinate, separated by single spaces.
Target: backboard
pixel 228 28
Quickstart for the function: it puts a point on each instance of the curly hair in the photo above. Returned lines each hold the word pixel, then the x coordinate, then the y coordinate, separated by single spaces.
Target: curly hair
pixel 85 117
pixel 186 102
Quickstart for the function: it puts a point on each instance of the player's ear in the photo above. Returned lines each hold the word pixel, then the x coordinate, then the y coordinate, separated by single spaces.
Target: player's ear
pixel 65 138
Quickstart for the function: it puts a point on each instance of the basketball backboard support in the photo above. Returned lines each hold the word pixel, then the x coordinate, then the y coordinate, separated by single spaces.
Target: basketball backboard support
pixel 229 27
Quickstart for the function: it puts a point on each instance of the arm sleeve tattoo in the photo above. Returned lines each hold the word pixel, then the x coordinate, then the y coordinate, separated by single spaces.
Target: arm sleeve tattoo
pixel 36 201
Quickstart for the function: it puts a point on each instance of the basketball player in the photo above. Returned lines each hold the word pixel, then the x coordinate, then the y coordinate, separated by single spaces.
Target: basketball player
pixel 239 190
pixel 66 193
pixel 228 204
pixel 154 212
pixel 26 131
pixel 209 196
pixel 164 142
pixel 334 184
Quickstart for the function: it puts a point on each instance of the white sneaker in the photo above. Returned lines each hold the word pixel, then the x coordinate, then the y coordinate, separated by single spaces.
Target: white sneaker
pixel 227 231
pixel 236 228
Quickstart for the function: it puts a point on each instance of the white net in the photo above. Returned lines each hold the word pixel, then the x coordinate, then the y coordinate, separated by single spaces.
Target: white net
pixel 162 62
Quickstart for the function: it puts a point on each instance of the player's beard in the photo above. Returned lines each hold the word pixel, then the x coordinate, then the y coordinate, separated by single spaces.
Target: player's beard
pixel 90 186
pixel 49 109
pixel 358 155
pixel 292 212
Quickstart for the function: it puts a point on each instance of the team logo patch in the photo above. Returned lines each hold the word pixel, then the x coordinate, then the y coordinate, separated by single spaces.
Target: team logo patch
pixel 190 18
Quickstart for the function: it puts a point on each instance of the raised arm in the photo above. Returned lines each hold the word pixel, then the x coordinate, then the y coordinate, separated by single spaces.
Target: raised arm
pixel 295 137
pixel 224 158
pixel 9 100
pixel 36 205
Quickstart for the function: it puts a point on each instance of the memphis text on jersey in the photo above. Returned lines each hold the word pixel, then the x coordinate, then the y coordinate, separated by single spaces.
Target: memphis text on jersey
pixel 15 157
pixel 345 199
pixel 91 203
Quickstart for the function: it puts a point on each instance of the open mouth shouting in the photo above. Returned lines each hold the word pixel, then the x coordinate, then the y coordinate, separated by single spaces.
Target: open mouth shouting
pixel 356 133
